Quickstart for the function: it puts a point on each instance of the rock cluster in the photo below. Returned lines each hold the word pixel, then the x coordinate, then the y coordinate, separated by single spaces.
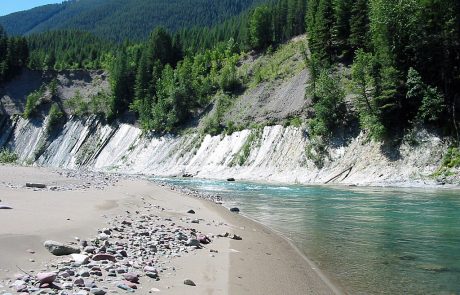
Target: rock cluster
pixel 132 246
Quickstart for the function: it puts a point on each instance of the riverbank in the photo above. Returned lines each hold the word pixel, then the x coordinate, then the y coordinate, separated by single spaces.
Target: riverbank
pixel 126 214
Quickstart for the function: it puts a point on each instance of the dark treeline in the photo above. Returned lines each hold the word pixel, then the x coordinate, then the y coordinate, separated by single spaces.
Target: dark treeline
pixel 14 54
pixel 67 50
pixel 404 56
pixel 121 20
pixel 273 23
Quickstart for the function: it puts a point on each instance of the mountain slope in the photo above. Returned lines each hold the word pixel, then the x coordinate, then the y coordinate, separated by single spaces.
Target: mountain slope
pixel 120 19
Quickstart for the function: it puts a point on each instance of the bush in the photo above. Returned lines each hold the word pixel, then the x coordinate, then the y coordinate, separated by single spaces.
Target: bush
pixel 32 102
pixel 329 106
pixel 7 156
pixel 54 117
pixel 77 105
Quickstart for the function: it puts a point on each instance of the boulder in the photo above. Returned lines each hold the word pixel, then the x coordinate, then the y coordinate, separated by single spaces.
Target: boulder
pixel 230 179
pixel 235 210
pixel 60 249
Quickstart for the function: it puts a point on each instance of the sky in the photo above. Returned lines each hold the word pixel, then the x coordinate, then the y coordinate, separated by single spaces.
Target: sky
pixel 10 6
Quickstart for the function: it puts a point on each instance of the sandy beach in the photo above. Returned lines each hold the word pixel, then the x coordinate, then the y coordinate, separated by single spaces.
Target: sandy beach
pixel 76 207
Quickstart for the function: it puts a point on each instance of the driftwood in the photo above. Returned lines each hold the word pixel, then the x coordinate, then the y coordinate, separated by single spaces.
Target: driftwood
pixel 36 185
pixel 341 173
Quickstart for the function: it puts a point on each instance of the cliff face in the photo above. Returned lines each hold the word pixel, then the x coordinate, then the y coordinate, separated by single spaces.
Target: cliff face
pixel 274 153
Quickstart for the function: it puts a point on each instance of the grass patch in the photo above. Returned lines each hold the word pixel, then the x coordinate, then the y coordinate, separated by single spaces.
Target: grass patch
pixel 285 62
pixel 451 160
pixel 213 123
pixel 7 156
pixel 252 141
pixel 33 101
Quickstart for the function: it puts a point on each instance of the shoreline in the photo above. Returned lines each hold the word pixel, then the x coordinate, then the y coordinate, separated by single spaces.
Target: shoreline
pixel 263 262
pixel 391 185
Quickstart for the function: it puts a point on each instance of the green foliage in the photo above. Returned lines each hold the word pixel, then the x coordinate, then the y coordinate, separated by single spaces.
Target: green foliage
pixel 294 122
pixel 329 106
pixel 32 102
pixel 260 28
pixel 67 49
pixel 123 20
pixel 213 123
pixel 320 34
pixel 450 161
pixel 7 156
pixel 253 139
pixel 77 105
pixel 426 101
pixel 316 151
pixel 55 116
pixel 432 106
pixel 14 54
pixel 279 65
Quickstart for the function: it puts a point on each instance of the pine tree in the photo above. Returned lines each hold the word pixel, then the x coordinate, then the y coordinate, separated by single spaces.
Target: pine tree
pixel 260 28
pixel 321 39
pixel 359 25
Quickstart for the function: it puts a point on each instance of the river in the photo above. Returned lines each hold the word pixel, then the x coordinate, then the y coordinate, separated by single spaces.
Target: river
pixel 370 240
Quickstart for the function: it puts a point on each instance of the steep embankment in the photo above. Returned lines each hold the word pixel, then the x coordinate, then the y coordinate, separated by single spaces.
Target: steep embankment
pixel 274 153
pixel 275 94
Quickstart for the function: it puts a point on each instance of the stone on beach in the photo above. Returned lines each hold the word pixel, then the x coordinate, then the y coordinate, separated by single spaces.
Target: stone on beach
pixel 189 282
pixel 5 207
pixel 131 277
pixel 97 291
pixel 46 277
pixel 80 259
pixel 193 242
pixel 235 210
pixel 60 249
pixel 102 256
pixel 191 211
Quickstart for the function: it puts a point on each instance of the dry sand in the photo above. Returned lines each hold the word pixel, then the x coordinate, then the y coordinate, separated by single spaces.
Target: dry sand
pixel 261 263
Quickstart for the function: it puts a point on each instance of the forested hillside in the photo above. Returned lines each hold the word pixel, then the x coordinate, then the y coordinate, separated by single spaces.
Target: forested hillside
pixel 119 20
pixel 386 66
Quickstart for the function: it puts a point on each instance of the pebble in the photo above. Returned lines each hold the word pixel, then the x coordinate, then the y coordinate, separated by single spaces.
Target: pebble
pixel 97 291
pixel 115 256
pixel 189 282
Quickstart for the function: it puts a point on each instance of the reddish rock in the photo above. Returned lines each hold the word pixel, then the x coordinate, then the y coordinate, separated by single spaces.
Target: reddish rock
pixel 130 284
pixel 104 256
pixel 46 277
pixel 203 239
pixel 131 277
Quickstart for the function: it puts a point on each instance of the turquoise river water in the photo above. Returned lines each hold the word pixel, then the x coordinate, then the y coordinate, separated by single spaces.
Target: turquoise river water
pixel 370 240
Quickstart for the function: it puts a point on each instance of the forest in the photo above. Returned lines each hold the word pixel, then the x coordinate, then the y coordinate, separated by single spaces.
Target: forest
pixel 388 65
pixel 118 20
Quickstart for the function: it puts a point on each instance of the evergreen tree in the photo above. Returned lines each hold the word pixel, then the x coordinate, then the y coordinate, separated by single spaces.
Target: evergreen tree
pixel 260 28
pixel 321 32
pixel 359 25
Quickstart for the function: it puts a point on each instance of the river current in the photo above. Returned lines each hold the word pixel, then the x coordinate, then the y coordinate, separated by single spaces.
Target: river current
pixel 370 240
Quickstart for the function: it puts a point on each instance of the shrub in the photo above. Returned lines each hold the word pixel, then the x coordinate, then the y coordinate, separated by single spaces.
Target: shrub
pixel 32 102
pixel 7 156
pixel 54 117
